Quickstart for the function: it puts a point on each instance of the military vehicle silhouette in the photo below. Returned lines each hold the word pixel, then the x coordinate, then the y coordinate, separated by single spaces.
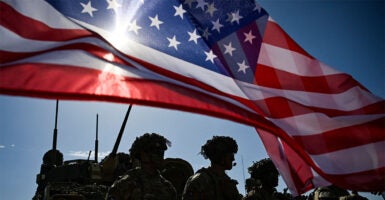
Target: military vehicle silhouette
pixel 79 179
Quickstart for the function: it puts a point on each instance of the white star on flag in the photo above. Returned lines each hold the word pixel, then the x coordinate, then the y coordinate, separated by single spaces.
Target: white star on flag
pixel 134 27
pixel 211 9
pixel 173 42
pixel 194 36
pixel 217 26
pixel 155 22
pixel 210 56
pixel 201 4
pixel 249 37
pixel 88 8
pixel 179 11
pixel 113 4
pixel 229 49
pixel 242 67
pixel 235 17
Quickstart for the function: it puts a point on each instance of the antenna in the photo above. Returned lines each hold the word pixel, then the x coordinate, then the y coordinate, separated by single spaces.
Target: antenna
pixel 117 142
pixel 89 154
pixel 96 139
pixel 55 130
pixel 243 172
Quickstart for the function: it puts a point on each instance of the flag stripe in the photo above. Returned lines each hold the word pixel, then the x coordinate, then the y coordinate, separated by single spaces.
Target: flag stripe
pixel 314 146
pixel 275 78
pixel 285 109
pixel 50 16
pixel 365 157
pixel 134 90
pixel 370 181
pixel 276 36
pixel 292 62
pixel 317 123
pixel 10 16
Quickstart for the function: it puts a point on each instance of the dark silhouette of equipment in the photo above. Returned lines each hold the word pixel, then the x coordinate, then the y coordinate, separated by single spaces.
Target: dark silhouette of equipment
pixel 82 179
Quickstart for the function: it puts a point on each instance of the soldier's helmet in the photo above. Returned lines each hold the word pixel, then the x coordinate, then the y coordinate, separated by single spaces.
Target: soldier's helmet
pixel 329 192
pixel 151 143
pixel 215 148
pixel 264 171
pixel 53 157
pixel 177 171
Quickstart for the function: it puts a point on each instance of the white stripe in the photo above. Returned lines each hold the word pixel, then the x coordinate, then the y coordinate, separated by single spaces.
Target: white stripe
pixel 292 62
pixel 15 43
pixel 18 44
pixel 352 160
pixel 80 58
pixel 317 123
pixel 42 11
pixel 345 101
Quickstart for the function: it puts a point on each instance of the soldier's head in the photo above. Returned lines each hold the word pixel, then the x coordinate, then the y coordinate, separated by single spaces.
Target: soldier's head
pixel 220 150
pixel 53 157
pixel 265 171
pixel 149 148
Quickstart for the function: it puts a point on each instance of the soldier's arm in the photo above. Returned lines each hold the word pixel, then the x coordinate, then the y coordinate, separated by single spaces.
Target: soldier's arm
pixel 121 189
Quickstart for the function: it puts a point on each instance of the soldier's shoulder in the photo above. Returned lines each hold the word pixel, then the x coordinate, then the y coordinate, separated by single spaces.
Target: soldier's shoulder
pixel 201 179
pixel 201 175
pixel 127 179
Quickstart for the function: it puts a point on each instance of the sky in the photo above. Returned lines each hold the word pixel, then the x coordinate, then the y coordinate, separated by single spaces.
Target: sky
pixel 344 34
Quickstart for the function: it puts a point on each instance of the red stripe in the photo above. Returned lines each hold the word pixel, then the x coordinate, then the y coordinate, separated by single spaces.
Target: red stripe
pixel 330 84
pixel 97 51
pixel 276 36
pixel 298 171
pixel 366 181
pixel 351 136
pixel 64 82
pixel 32 29
pixel 280 107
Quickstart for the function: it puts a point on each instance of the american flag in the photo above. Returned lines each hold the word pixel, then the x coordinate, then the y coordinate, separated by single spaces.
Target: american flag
pixel 227 59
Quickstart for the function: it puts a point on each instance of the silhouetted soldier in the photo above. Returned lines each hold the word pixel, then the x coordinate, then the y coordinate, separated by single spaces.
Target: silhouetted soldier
pixel 334 193
pixel 264 178
pixel 213 183
pixel 144 181
pixel 51 159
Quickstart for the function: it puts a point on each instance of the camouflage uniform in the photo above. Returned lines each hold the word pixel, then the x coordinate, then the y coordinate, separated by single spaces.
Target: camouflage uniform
pixel 144 181
pixel 212 183
pixel 333 193
pixel 258 194
pixel 137 185
pixel 206 184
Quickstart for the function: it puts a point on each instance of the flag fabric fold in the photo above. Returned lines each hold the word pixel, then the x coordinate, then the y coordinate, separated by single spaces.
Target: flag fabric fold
pixel 232 61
